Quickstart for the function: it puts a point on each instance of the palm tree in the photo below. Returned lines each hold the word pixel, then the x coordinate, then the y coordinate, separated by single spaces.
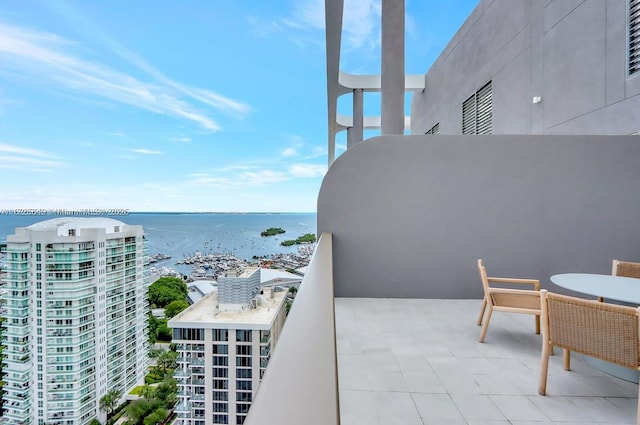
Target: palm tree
pixel 166 360
pixel 109 401
pixel 148 392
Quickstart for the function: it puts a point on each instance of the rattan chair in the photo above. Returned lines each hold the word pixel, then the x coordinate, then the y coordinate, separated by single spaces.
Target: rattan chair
pixel 625 269
pixel 597 329
pixel 507 299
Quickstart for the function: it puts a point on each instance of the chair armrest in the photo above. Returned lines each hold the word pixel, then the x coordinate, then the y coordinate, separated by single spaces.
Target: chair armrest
pixel 526 292
pixel 515 300
pixel 534 282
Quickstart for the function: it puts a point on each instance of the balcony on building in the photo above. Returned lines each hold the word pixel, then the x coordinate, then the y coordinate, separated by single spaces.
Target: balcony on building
pixel 383 329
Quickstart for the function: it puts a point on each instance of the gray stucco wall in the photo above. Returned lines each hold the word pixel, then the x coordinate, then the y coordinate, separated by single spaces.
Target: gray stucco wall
pixel 411 214
pixel 571 53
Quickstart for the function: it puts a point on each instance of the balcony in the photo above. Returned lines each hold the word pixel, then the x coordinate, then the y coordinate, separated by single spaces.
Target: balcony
pixel 182 408
pixel 418 361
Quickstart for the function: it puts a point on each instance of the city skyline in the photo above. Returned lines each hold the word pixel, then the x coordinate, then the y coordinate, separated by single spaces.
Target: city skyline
pixel 161 107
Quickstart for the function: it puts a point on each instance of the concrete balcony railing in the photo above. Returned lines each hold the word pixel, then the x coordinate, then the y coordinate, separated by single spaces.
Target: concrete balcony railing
pixel 305 351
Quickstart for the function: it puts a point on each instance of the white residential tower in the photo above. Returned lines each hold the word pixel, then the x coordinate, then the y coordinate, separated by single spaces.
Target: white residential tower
pixel 76 319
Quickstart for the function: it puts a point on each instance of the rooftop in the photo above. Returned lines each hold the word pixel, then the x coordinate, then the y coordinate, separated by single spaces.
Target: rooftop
pixel 417 361
pixel 65 223
pixel 205 313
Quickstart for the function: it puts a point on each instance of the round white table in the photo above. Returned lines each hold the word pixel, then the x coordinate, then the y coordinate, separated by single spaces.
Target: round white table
pixel 625 289
pixel 618 288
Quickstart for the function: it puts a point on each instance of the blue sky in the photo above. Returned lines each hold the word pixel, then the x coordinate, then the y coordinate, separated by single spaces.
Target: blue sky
pixel 199 105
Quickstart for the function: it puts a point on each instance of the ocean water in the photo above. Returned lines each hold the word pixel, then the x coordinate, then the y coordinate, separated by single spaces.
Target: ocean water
pixel 184 234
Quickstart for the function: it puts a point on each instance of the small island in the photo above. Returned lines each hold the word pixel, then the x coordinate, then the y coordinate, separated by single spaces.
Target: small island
pixel 271 231
pixel 308 238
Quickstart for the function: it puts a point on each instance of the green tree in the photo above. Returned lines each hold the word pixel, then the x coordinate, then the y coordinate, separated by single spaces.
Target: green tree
pixel 167 289
pixel 167 361
pixel 155 352
pixel 109 401
pixel 153 328
pixel 157 417
pixel 166 392
pixel 94 421
pixel 175 307
pixel 138 410
pixel 164 332
pixel 148 392
pixel 271 231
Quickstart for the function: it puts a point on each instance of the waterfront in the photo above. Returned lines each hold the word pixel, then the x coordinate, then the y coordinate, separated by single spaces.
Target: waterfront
pixel 181 235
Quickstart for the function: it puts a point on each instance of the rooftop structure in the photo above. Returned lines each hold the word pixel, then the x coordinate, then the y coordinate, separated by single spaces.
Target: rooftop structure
pixel 207 310
pixel 76 319
pixel 238 287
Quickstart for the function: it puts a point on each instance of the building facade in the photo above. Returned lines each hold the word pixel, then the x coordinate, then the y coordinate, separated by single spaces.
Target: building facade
pixel 536 67
pixel 224 342
pixel 76 318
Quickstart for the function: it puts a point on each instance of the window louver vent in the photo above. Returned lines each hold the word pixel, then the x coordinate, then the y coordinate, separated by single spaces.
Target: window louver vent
pixel 477 112
pixel 485 108
pixel 434 130
pixel 469 116
pixel 634 37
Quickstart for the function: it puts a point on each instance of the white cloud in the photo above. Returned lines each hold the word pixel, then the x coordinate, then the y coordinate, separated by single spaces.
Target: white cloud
pixel 26 159
pixel 146 151
pixel 48 58
pixel 236 177
pixel 127 157
pixel 263 28
pixel 307 170
pixel 34 164
pixel 360 26
pixel 180 139
pixel 24 151
pixel 289 152
pixel 263 177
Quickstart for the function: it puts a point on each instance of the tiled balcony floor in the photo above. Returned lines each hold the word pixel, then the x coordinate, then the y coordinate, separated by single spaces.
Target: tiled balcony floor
pixel 418 362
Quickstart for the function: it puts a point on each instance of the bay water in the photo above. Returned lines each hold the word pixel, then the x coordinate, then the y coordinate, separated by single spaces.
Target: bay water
pixel 183 234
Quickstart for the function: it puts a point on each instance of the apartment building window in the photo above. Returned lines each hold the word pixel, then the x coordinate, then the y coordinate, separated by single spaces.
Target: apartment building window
pixel 434 130
pixel 634 37
pixel 220 335
pixel 477 112
pixel 243 336
pixel 220 419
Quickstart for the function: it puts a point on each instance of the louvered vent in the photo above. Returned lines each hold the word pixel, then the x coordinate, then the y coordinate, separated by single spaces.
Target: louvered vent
pixel 477 112
pixel 634 37
pixel 434 130
pixel 469 116
pixel 485 108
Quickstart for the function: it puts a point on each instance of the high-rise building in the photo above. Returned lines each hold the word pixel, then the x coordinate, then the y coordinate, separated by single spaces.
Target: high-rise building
pixel 224 343
pixel 76 318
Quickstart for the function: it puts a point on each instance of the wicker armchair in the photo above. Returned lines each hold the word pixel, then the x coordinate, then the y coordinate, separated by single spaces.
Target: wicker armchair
pixel 626 269
pixel 507 299
pixel 606 331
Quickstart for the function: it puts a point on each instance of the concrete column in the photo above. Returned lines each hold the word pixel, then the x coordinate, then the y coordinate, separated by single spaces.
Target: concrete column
pixel 358 115
pixel 350 138
pixel 392 82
